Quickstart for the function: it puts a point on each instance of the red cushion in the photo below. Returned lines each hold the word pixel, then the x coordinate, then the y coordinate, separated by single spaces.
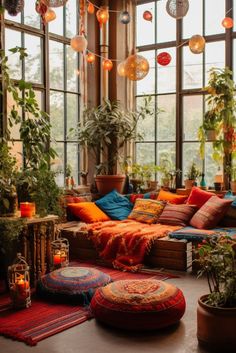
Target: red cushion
pixel 198 197
pixel 138 304
pixel 177 215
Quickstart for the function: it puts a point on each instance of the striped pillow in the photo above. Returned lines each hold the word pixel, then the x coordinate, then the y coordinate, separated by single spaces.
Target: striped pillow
pixel 177 215
pixel 147 211
pixel 210 213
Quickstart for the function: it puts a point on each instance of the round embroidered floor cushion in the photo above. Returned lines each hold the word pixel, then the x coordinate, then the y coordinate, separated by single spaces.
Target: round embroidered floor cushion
pixel 73 283
pixel 138 304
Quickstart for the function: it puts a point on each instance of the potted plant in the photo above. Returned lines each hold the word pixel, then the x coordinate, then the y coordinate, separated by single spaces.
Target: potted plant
pixel 216 313
pixel 105 130
pixel 141 176
pixel 168 173
pixel 231 173
pixel 210 127
pixel 191 176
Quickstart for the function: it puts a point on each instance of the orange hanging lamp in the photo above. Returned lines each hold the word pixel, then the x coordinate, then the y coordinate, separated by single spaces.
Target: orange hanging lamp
pixel 197 44
pixel 147 16
pixel 49 15
pixel 102 15
pixel 227 22
pixel 90 58
pixel 90 8
pixel 107 64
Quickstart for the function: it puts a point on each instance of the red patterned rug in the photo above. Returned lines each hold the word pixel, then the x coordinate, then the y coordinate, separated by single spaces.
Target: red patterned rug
pixel 44 319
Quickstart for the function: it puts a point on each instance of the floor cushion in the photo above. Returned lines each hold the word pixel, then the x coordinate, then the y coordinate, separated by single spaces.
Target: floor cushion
pixel 72 283
pixel 138 304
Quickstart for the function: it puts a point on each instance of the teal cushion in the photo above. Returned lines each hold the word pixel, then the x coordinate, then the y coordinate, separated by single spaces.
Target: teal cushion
pixel 115 205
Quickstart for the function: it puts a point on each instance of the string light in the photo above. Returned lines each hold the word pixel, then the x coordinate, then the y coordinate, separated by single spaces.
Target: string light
pixel 227 22
pixel 124 17
pixel 102 15
pixel 49 15
pixel 90 8
pixel 79 43
pixel 107 64
pixel 90 58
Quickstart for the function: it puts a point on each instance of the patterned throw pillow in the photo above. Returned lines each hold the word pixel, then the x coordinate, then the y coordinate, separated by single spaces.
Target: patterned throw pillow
pixel 210 213
pixel 87 212
pixel 177 215
pixel 171 197
pixel 147 211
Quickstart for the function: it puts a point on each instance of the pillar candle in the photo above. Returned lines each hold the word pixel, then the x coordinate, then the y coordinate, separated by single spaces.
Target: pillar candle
pixel 27 209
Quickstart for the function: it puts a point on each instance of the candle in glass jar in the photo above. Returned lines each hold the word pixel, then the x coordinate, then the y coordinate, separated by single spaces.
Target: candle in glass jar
pixel 27 209
pixel 22 285
pixel 57 259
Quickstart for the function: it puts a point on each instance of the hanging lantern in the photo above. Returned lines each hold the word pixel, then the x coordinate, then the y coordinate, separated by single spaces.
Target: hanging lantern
pixel 136 67
pixel 49 15
pixel 102 15
pixel 107 64
pixel 121 69
pixel 59 253
pixel 90 58
pixel 177 8
pixel 124 17
pixel 79 43
pixel 147 15
pixel 19 283
pixel 54 3
pixel 164 58
pixel 90 8
pixel 227 22
pixel 14 7
pixel 197 44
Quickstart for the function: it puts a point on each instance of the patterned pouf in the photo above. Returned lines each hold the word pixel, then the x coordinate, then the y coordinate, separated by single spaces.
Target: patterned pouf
pixel 72 283
pixel 138 304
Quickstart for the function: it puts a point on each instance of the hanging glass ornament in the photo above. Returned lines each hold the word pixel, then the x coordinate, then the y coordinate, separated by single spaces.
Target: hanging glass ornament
pixel 121 69
pixel 136 67
pixel 49 15
pixel 164 58
pixel 227 22
pixel 90 8
pixel 197 44
pixel 177 8
pixel 102 15
pixel 90 58
pixel 79 43
pixel 147 16
pixel 124 17
pixel 54 3
pixel 107 64
pixel 14 7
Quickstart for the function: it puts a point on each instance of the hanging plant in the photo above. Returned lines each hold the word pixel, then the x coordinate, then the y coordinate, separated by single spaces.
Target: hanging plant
pixel 14 7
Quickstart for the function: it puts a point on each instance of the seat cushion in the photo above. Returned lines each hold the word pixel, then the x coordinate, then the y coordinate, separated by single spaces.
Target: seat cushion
pixel 138 304
pixel 72 283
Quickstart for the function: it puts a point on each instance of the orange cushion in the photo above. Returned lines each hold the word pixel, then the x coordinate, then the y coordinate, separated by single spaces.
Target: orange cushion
pixel 171 197
pixel 87 212
pixel 198 197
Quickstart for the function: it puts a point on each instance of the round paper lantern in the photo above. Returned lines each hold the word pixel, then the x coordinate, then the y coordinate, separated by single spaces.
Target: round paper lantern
pixel 102 15
pixel 90 58
pixel 227 22
pixel 121 69
pixel 136 67
pixel 124 17
pixel 54 3
pixel 164 58
pixel 14 7
pixel 147 15
pixel 177 8
pixel 197 44
pixel 107 64
pixel 90 8
pixel 78 43
pixel 49 15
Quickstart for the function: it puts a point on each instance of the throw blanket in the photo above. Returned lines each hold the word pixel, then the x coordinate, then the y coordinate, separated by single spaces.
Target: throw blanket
pixel 125 243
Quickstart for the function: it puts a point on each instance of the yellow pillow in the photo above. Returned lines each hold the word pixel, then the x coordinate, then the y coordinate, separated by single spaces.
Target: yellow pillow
pixel 171 197
pixel 147 211
pixel 87 212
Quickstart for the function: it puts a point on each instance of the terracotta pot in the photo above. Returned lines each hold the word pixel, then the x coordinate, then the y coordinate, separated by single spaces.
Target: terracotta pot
pixel 216 327
pixel 210 135
pixel 188 183
pixel 233 186
pixel 107 183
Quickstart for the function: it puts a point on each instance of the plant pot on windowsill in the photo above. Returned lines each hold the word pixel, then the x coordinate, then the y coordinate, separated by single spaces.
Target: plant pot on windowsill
pixel 233 186
pixel 107 183
pixel 188 183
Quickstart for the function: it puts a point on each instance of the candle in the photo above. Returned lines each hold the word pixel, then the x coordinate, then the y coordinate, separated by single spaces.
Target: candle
pixel 27 209
pixel 57 259
pixel 22 285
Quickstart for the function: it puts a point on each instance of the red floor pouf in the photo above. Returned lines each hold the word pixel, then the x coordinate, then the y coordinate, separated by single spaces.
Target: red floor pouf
pixel 138 304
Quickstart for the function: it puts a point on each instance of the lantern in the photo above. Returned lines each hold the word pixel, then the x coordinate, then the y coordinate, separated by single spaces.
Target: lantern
pixel 197 44
pixel 78 43
pixel 19 283
pixel 107 64
pixel 124 17
pixel 90 8
pixel 90 58
pixel 14 7
pixel 59 253
pixel 54 3
pixel 49 15
pixel 121 69
pixel 102 15
pixel 227 22
pixel 177 8
pixel 164 58
pixel 27 209
pixel 147 15
pixel 136 67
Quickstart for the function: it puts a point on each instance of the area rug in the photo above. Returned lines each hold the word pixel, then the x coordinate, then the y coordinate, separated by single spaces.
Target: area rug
pixel 44 319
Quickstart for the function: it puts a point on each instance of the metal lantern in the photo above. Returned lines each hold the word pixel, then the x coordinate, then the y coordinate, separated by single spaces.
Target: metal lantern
pixel 147 16
pixel 124 17
pixel 14 7
pixel 107 64
pixel 136 67
pixel 60 253
pixel 79 43
pixel 177 8
pixel 227 22
pixel 102 15
pixel 54 3
pixel 121 69
pixel 197 44
pixel 19 282
pixel 90 8
pixel 164 58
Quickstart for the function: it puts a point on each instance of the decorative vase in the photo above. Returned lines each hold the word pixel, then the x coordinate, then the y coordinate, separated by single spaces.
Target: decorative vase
pixel 233 186
pixel 107 183
pixel 216 326
pixel 188 183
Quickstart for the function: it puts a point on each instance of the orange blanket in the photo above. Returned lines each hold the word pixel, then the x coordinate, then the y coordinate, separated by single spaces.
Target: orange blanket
pixel 125 243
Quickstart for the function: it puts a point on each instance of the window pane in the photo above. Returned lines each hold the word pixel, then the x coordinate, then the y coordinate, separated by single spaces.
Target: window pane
pixel 166 75
pixel 72 159
pixel 14 130
pixel 192 117
pixel 31 17
pixel 215 12
pixel 72 111
pixel 192 22
pixel 145 153
pixel 234 59
pixel 166 25
pixel 71 23
pixel 146 127
pixel 16 18
pixel 145 29
pixel 13 39
pixel 56 65
pixel 166 120
pixel 72 68
pixel 57 115
pixel 57 26
pixel 192 69
pixel 147 84
pixel 191 155
pixel 215 56
pixel 58 163
pixel 166 151
pixel 33 72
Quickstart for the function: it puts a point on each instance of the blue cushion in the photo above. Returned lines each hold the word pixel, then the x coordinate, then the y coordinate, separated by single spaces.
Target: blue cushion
pixel 230 196
pixel 191 233
pixel 115 205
